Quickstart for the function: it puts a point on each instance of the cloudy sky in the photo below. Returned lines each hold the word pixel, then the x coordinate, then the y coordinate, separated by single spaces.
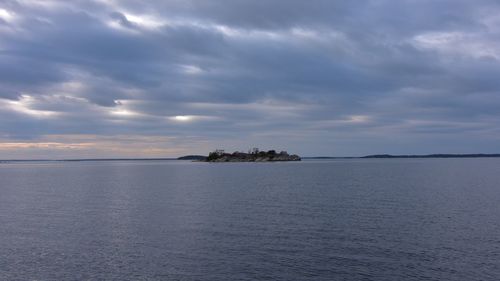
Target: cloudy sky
pixel 108 78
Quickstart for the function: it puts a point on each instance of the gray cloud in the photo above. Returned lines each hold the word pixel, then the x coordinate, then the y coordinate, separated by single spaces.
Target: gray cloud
pixel 317 77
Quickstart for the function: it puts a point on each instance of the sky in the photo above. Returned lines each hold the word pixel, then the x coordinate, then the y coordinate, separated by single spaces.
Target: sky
pixel 106 78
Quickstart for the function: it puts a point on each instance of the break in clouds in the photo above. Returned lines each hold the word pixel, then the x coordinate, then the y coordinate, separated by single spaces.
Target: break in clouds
pixel 111 78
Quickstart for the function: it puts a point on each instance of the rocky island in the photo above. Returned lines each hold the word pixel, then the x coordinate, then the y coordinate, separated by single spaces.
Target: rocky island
pixel 252 156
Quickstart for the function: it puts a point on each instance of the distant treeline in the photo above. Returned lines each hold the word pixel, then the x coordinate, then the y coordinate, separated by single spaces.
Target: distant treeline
pixel 433 156
pixel 193 157
pixel 254 155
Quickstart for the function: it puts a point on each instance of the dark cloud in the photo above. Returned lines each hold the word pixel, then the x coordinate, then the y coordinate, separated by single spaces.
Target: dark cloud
pixel 319 77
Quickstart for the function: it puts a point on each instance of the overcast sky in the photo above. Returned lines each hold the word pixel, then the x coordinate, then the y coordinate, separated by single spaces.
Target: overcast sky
pixel 108 78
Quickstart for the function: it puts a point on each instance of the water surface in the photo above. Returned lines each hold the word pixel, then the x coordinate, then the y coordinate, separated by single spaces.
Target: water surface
pixel 377 219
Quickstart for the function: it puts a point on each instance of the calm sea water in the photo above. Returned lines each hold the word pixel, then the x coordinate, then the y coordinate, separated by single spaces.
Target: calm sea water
pixel 407 219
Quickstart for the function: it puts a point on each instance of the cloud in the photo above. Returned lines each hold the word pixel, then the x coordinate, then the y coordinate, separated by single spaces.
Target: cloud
pixel 322 77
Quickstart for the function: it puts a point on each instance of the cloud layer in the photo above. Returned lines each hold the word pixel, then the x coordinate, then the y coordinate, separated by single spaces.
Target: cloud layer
pixel 163 78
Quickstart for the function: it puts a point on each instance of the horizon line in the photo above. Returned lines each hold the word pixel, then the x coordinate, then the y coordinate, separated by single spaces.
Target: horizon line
pixel 372 156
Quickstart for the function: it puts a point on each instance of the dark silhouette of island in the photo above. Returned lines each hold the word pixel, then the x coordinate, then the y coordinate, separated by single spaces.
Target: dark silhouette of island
pixel 193 157
pixel 252 156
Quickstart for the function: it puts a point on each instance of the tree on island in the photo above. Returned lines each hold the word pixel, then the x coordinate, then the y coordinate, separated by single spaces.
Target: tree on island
pixel 218 153
pixel 254 155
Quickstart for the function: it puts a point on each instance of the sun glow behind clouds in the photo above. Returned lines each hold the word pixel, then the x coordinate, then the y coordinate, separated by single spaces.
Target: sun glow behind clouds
pixel 193 118
pixel 147 21
pixel 358 118
pixel 124 112
pixel 183 118
pixel 6 15
pixel 191 69
pixel 24 105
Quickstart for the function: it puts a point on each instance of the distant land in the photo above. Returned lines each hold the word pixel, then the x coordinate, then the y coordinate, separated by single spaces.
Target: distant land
pixel 385 156
pixel 433 156
pixel 193 157
pixel 254 155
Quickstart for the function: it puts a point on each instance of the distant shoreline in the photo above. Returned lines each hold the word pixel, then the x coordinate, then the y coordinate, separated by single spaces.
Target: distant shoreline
pixel 376 156
pixel 478 155
pixel 389 156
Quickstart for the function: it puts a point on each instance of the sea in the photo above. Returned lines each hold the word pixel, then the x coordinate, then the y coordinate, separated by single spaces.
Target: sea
pixel 343 219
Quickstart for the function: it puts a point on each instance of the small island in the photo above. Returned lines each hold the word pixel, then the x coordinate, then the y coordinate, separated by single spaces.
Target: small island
pixel 252 156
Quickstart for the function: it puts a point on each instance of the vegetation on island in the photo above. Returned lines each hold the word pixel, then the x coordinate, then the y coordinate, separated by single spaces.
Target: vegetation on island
pixel 193 157
pixel 254 155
